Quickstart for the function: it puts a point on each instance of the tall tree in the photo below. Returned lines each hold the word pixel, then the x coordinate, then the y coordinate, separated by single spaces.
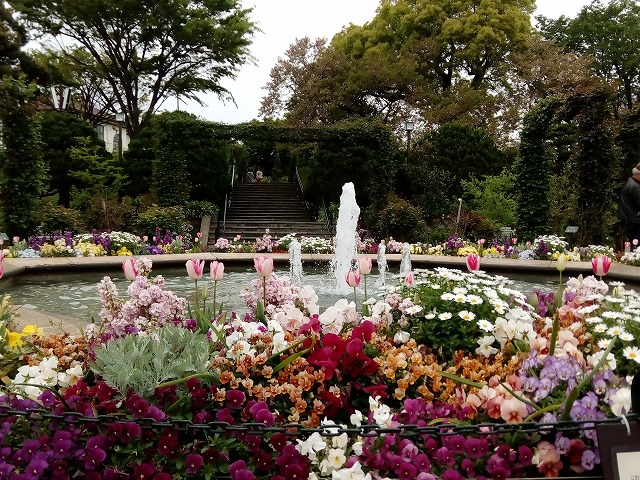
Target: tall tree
pixel 610 35
pixel 149 50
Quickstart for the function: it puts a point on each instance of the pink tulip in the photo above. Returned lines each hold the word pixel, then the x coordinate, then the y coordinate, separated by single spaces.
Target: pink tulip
pixel 409 281
pixel 1 270
pixel 217 271
pixel 264 266
pixel 195 268
pixel 514 240
pixel 365 265
pixel 130 270
pixel 473 263
pixel 352 278
pixel 601 265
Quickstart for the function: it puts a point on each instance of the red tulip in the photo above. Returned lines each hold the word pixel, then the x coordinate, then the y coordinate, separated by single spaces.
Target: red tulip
pixel 130 270
pixel 264 266
pixel 601 265
pixel 365 265
pixel 473 263
pixel 352 278
pixel 195 268
pixel 217 270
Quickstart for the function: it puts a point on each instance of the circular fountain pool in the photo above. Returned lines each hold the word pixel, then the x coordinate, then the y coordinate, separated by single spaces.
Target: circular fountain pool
pixel 75 293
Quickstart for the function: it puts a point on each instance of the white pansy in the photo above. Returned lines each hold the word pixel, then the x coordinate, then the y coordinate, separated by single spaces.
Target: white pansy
pixel 356 418
pixel 401 337
pixel 621 400
pixel 485 347
pixel 312 445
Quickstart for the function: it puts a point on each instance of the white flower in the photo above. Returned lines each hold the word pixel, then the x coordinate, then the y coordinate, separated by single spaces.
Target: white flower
pixel 485 347
pixel 356 418
pixel 430 316
pixel 485 325
pixel 594 320
pixel 621 400
pixel 632 353
pixel 445 316
pixel 357 448
pixel 604 343
pixel 334 460
pixel 401 337
pixel 465 315
pixel 413 310
pixel 447 296
pixel 595 358
pixel 600 328
pixel 474 300
pixel 311 445
pixel 352 473
pixel 627 337
pixel 613 331
pixel 460 298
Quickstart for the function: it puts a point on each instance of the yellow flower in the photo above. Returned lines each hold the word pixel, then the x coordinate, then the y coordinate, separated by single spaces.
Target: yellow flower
pixel 15 340
pixel 31 330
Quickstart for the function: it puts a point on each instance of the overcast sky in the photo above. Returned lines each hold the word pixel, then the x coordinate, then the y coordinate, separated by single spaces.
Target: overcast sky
pixel 282 22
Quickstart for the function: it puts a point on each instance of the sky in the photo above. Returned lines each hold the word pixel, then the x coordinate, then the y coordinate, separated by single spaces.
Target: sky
pixel 284 21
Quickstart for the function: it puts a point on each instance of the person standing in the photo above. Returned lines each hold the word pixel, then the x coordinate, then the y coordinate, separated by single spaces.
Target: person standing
pixel 629 210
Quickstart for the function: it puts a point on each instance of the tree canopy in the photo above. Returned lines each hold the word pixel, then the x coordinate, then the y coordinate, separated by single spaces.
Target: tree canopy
pixel 148 50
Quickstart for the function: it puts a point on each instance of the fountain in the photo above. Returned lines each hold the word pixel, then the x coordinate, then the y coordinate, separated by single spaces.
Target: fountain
pixel 382 264
pixel 345 241
pixel 295 270
pixel 405 263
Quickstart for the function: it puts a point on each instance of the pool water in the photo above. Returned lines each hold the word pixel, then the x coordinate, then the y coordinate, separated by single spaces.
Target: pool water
pixel 74 293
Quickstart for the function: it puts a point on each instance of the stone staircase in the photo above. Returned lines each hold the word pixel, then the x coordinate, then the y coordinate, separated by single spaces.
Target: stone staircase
pixel 254 207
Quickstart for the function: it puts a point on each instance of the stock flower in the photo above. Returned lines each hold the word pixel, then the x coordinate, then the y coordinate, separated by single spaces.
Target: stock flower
pixel 130 269
pixel 352 277
pixel 195 268
pixel 216 271
pixel 264 266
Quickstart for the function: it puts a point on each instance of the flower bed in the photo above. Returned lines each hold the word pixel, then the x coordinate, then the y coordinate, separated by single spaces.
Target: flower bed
pixel 448 375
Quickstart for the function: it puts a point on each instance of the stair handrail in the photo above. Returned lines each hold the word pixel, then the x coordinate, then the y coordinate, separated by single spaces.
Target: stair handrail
pixel 327 220
pixel 227 197
pixel 299 179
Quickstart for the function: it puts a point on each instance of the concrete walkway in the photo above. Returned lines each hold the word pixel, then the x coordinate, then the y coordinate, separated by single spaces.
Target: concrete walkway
pixel 54 323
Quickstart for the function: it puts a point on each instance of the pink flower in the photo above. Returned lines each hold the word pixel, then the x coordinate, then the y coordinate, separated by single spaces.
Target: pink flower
pixel 365 265
pixel 264 266
pixel 1 270
pixel 473 263
pixel 409 281
pixel 513 410
pixel 514 241
pixel 601 265
pixel 195 268
pixel 130 270
pixel 352 278
pixel 217 270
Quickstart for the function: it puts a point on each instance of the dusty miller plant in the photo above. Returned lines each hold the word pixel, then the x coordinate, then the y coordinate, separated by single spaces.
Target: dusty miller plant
pixel 142 362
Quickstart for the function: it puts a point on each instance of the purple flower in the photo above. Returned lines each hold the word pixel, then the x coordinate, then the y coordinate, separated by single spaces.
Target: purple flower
pixel 193 463
pixel 36 468
pixel 445 457
pixel 588 459
pixel 93 457
pixel 451 475
pixel 422 462
pixel 476 447
pixel 265 416
pixel 144 471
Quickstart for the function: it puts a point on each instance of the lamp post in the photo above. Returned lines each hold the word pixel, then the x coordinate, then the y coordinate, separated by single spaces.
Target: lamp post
pixel 408 127
pixel 120 119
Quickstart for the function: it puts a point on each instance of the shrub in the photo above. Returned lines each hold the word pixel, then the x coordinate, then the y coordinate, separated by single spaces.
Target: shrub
pixel 165 218
pixel 53 218
pixel 110 214
pixel 401 220
pixel 200 208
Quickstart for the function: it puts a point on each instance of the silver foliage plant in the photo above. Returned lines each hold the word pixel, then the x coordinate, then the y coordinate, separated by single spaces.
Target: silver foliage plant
pixel 142 362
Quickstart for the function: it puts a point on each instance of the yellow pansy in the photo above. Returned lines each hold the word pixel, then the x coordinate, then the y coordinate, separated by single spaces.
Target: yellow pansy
pixel 15 339
pixel 32 330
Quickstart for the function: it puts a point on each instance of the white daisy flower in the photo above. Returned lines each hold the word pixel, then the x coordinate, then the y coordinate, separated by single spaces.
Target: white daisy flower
pixel 593 320
pixel 413 310
pixel 460 298
pixel 430 316
pixel 600 328
pixel 465 315
pixel 447 296
pixel 485 325
pixel 474 299
pixel 613 331
pixel 604 343
pixel 627 337
pixel 445 316
pixel 460 290
pixel 632 353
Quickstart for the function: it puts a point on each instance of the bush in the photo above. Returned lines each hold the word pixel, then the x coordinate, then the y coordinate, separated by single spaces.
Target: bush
pixel 53 218
pixel 165 218
pixel 110 214
pixel 402 221
pixel 200 208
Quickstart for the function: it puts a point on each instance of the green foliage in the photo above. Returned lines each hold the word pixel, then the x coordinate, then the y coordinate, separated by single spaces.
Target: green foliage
pixel 563 200
pixel 23 173
pixel 401 220
pixel 198 209
pixel 146 51
pixel 53 217
pixel 165 218
pixel 63 136
pixel 142 362
pixel 475 225
pixel 607 33
pixel 429 187
pixel 492 197
pixel 110 213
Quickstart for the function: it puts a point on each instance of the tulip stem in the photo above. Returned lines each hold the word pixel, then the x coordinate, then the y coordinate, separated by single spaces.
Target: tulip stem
pixel 196 282
pixel 355 299
pixel 365 310
pixel 215 284
pixel 264 292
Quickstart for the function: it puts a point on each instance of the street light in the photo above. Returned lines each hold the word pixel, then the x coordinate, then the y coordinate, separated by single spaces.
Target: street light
pixel 408 127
